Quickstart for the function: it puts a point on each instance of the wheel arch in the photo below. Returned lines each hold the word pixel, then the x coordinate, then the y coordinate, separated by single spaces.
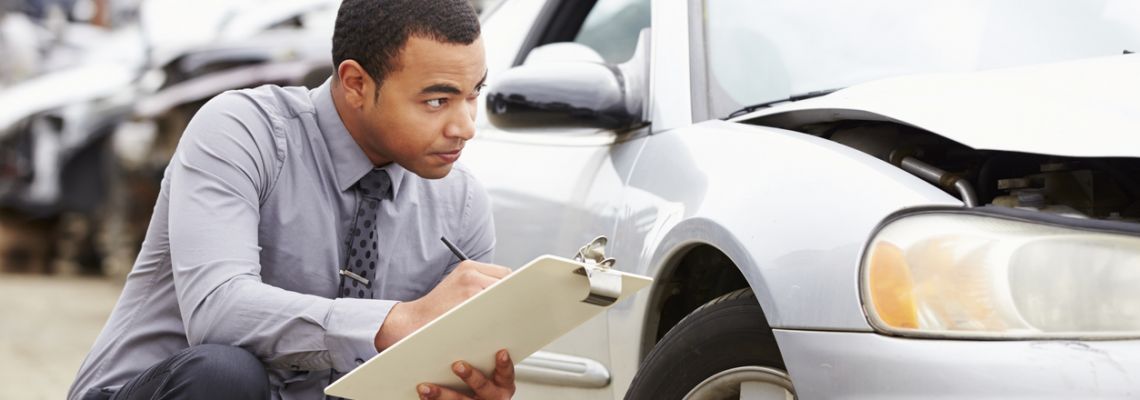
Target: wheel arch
pixel 696 262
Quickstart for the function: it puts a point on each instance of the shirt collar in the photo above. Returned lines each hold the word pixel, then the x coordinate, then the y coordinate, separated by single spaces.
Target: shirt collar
pixel 396 173
pixel 349 161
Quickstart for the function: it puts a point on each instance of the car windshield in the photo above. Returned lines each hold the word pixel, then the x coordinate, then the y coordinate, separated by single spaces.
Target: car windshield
pixel 765 50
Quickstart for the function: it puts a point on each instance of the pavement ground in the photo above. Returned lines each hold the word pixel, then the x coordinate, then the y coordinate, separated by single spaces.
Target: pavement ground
pixel 47 325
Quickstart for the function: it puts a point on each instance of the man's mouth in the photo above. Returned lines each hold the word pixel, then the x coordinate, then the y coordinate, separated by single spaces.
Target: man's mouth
pixel 449 156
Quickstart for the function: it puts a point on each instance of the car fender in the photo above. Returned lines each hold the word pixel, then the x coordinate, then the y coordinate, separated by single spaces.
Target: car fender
pixel 792 210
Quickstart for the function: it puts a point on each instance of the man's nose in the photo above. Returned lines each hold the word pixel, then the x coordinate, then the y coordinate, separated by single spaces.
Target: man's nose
pixel 462 124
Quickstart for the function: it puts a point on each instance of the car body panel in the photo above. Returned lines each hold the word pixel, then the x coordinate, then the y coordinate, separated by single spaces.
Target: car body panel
pixel 687 188
pixel 844 365
pixel 557 198
pixel 1088 108
pixel 689 176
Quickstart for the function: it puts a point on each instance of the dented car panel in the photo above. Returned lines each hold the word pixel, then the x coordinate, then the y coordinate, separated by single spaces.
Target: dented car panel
pixel 1084 108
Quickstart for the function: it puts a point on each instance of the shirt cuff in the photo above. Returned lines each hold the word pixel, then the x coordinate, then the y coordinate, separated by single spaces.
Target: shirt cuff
pixel 351 330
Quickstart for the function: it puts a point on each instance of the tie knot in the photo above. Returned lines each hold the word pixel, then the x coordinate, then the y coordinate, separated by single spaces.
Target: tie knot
pixel 376 184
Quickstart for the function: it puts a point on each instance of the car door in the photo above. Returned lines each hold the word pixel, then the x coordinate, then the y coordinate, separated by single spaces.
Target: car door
pixel 553 190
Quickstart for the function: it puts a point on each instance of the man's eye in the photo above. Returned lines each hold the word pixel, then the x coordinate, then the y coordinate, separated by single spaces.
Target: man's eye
pixel 435 103
pixel 479 90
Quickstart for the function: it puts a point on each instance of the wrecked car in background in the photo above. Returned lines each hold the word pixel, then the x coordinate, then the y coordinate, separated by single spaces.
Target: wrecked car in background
pixel 282 42
pixel 83 146
pixel 876 199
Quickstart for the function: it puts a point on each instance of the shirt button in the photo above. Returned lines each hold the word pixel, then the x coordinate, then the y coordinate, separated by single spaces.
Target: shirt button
pixel 359 361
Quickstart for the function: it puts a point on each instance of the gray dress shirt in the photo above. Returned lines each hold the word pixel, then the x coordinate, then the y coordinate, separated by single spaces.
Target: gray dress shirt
pixel 248 235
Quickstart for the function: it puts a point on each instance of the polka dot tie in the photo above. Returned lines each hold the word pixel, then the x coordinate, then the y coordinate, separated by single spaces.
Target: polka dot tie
pixel 359 272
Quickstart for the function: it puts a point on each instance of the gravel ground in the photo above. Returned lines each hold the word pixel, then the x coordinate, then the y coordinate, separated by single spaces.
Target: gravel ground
pixel 47 325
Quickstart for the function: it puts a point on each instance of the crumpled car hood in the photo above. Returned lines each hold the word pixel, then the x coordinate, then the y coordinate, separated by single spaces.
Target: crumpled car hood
pixel 1084 108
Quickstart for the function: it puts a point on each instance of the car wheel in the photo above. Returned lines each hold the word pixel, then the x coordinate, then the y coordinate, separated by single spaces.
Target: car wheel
pixel 722 350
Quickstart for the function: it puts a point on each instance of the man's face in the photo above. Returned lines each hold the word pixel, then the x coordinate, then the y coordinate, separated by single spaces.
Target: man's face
pixel 425 111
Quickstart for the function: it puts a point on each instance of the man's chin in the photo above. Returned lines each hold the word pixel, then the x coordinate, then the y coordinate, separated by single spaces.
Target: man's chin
pixel 432 172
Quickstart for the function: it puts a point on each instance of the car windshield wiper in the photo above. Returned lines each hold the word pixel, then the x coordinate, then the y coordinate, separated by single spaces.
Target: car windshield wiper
pixel 795 97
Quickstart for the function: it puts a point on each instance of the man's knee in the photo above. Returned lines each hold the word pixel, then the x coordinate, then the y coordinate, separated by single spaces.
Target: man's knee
pixel 220 372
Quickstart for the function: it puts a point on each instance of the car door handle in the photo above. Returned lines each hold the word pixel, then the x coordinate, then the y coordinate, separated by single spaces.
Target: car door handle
pixel 562 370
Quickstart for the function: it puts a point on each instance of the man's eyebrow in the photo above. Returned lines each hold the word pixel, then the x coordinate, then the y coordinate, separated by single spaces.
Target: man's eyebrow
pixel 441 88
pixel 446 88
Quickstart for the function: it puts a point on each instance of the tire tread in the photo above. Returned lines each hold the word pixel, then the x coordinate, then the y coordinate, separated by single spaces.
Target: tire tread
pixel 671 366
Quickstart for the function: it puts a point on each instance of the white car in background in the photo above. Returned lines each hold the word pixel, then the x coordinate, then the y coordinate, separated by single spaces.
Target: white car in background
pixel 83 141
pixel 874 199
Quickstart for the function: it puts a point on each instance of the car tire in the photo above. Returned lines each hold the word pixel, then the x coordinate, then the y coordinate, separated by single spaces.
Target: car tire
pixel 722 350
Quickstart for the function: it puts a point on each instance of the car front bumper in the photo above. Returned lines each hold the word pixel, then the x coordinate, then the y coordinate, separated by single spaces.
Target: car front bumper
pixel 847 365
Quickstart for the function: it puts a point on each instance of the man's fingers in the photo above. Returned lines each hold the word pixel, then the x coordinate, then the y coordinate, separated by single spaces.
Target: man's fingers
pixel 471 277
pixel 486 282
pixel 433 392
pixel 497 271
pixel 504 371
pixel 475 380
pixel 492 270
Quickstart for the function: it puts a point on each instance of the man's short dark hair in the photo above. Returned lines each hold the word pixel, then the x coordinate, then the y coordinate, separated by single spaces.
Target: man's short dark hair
pixel 373 32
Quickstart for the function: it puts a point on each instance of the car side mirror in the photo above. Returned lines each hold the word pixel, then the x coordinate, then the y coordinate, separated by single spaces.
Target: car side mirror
pixel 555 93
pixel 561 94
pixel 562 52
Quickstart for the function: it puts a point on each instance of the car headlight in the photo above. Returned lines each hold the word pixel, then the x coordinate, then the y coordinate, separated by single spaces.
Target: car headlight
pixel 1002 274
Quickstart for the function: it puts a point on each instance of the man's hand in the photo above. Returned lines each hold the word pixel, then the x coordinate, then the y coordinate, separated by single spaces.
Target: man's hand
pixel 467 279
pixel 500 386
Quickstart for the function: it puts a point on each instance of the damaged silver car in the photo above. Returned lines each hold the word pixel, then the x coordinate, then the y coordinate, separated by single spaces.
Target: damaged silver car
pixel 875 199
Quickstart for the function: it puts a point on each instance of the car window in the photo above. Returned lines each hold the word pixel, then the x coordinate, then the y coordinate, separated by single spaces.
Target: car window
pixel 762 51
pixel 612 26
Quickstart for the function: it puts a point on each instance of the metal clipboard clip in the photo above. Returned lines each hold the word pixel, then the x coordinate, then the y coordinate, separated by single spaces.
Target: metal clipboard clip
pixel 605 282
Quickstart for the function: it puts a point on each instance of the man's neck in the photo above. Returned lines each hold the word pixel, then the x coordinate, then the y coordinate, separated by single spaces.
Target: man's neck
pixel 355 128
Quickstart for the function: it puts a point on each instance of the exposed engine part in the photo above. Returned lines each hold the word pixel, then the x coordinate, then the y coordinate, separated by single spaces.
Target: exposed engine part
pixel 889 143
pixel 1100 188
pixel 941 178
pixel 1078 188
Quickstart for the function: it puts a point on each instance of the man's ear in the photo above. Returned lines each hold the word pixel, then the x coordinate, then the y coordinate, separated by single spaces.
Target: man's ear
pixel 357 85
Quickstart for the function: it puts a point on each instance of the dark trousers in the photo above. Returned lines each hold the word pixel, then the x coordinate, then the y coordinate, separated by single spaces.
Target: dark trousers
pixel 206 371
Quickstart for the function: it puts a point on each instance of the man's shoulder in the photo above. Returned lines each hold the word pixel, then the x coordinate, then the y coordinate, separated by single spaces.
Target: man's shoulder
pixel 243 121
pixel 271 100
pixel 259 114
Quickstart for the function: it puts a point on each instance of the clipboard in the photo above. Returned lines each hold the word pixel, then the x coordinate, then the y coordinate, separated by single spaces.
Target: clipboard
pixel 524 312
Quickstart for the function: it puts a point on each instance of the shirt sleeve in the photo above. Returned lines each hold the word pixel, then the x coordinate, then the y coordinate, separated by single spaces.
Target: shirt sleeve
pixel 478 227
pixel 226 163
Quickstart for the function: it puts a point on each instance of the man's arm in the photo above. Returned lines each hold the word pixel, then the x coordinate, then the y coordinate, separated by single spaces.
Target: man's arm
pixel 226 163
pixel 463 279
pixel 477 224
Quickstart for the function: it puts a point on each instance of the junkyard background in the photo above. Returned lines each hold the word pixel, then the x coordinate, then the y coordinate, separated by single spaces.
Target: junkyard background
pixel 94 95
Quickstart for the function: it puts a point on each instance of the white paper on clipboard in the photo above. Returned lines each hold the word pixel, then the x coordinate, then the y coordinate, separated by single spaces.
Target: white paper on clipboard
pixel 527 310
